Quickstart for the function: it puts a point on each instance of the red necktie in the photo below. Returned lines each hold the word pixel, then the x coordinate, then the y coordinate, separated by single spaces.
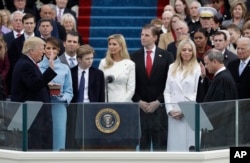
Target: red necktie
pixel 18 35
pixel 148 62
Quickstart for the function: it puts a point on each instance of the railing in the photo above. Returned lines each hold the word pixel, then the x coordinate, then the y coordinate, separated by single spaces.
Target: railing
pixel 116 126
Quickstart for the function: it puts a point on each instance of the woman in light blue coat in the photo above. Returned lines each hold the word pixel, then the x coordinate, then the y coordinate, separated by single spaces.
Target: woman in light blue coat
pixel 58 102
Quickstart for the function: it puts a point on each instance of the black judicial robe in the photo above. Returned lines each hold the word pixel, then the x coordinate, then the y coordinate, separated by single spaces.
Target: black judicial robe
pixel 221 114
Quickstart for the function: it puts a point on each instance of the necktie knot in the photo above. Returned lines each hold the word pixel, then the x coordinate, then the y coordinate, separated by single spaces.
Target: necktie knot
pixel 71 62
pixel 18 34
pixel 149 52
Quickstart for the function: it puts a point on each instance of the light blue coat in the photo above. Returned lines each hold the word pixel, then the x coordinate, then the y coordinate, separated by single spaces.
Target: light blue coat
pixel 59 103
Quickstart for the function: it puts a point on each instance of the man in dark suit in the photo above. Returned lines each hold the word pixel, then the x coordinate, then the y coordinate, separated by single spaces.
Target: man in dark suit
pixel 20 5
pixel 220 114
pixel 93 92
pixel 29 84
pixel 71 44
pixel 61 8
pixel 220 43
pixel 16 21
pixel 46 12
pixel 69 58
pixel 240 70
pixel 15 50
pixel 150 84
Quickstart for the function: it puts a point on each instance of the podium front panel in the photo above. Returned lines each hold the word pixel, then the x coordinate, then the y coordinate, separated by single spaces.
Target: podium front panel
pixel 110 125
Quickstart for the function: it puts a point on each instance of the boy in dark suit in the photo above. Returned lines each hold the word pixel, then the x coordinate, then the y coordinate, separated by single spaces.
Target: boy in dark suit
pixel 94 87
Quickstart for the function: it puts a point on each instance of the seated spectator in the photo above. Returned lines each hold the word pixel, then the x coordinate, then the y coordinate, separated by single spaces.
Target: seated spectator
pixel 20 5
pixel 158 24
pixel 3 28
pixel 235 34
pixel 166 38
pixel 222 7
pixel 4 67
pixel 238 11
pixel 69 23
pixel 246 30
pixel 181 7
pixel 194 23
pixel 6 18
pixel 169 8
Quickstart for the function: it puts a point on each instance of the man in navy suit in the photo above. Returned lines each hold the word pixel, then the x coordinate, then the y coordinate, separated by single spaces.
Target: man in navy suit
pixel 242 80
pixel 16 21
pixel 29 84
pixel 61 8
pixel 149 90
pixel 93 92
pixel 220 43
pixel 15 50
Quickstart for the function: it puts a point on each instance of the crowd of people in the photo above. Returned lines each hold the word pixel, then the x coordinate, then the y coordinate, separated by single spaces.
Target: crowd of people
pixel 196 52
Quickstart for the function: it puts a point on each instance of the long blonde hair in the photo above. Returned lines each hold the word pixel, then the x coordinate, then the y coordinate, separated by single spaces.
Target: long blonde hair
pixel 123 53
pixel 3 48
pixel 178 64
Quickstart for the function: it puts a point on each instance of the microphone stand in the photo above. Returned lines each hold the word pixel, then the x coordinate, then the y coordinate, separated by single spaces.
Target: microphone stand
pixel 107 92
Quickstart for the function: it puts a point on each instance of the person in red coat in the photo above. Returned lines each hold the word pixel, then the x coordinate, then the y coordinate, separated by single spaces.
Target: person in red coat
pixel 4 66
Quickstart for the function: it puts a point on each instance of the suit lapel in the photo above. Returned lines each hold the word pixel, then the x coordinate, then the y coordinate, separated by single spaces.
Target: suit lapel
pixel 246 69
pixel 157 60
pixel 141 62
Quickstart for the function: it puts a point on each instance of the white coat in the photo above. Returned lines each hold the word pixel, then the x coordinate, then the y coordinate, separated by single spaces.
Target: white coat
pixel 122 88
pixel 180 135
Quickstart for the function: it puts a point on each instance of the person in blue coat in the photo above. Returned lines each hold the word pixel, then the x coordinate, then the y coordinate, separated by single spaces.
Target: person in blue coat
pixel 60 101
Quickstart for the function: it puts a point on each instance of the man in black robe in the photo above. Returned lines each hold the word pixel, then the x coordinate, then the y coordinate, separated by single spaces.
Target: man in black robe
pixel 220 114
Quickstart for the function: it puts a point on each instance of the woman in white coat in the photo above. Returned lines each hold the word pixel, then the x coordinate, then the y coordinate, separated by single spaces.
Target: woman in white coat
pixel 119 71
pixel 181 85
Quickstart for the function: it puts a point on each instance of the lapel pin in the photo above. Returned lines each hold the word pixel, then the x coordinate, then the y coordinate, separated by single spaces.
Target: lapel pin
pixel 160 55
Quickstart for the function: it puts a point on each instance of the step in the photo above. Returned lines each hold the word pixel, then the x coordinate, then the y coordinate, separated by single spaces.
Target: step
pixel 124 3
pixel 125 21
pixel 119 11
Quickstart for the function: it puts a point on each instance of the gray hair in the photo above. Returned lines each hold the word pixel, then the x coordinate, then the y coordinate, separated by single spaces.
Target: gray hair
pixel 245 39
pixel 15 13
pixel 213 54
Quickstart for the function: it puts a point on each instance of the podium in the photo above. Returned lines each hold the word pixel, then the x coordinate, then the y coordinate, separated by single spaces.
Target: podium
pixel 108 126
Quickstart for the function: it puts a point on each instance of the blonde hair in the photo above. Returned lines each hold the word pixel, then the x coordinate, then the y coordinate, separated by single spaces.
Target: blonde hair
pixel 69 17
pixel 32 43
pixel 178 64
pixel 123 53
pixel 84 50
pixel 3 48
pixel 8 23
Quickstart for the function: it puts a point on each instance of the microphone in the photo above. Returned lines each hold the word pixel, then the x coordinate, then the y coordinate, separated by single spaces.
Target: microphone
pixel 110 78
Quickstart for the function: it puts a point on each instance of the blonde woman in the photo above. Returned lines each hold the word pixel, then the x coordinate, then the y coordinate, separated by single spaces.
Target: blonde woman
pixel 6 18
pixel 69 23
pixel 3 28
pixel 181 85
pixel 119 71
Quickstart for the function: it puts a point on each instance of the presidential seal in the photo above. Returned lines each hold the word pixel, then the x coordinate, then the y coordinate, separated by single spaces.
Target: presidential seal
pixel 107 120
